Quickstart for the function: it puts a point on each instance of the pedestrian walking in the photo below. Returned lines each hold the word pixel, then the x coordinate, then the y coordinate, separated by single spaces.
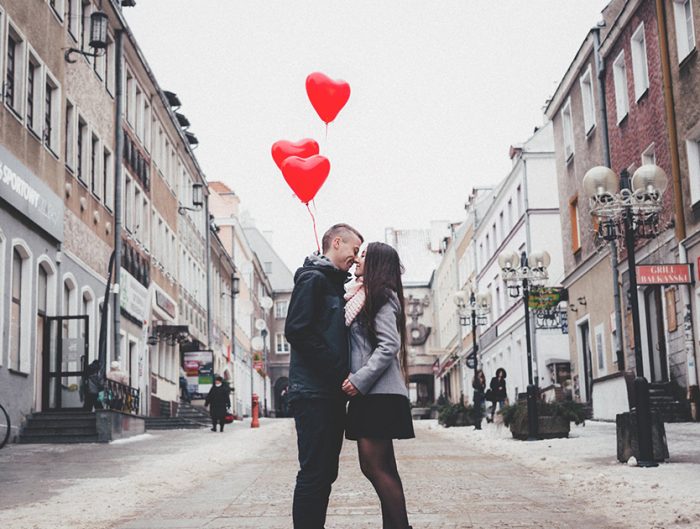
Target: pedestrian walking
pixel 315 329
pixel 184 390
pixel 498 395
pixel 219 403
pixel 379 410
pixel 479 386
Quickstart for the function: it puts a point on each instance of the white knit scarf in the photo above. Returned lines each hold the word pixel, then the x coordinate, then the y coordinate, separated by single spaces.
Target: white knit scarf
pixel 354 300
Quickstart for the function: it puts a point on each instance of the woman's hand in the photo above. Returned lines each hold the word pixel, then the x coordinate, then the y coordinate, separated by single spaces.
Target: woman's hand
pixel 349 389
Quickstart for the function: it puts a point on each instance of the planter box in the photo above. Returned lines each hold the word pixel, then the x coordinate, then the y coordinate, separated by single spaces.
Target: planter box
pixel 548 428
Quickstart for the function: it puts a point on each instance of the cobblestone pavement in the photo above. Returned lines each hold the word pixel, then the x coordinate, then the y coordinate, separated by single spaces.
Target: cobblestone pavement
pixel 448 486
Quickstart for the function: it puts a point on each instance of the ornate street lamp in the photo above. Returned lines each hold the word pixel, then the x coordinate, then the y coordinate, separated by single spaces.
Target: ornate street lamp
pixel 477 306
pixel 520 273
pixel 628 212
pixel 99 21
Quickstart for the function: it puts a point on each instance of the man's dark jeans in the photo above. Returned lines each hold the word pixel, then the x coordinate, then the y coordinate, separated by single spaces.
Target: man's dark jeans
pixel 320 425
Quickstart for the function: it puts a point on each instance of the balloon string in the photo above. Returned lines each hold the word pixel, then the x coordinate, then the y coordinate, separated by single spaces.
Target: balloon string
pixel 313 219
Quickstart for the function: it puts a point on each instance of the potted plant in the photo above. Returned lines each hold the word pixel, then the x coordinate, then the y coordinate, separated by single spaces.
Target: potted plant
pixel 455 415
pixel 554 418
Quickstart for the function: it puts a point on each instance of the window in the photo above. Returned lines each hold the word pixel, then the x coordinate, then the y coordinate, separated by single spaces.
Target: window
pixel 70 135
pixel 519 201
pixel 109 65
pixel 649 156
pixel 14 59
pixel 281 309
pixel 16 310
pixel 86 9
pixel 41 304
pixel 587 100
pixel 282 344
pixel 73 16
pixel 620 78
pixel 147 126
pixel 685 32
pixel 126 204
pixel 575 226
pixel 640 68
pixel 58 8
pixel 52 115
pixel 33 94
pixel 95 180
pixel 130 95
pixel 600 348
pixel 20 306
pixel 108 179
pixel 568 130
pixel 693 149
pixel 81 150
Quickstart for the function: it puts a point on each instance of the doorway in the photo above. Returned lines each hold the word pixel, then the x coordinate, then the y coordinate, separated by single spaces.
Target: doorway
pixel 65 353
pixel 656 334
pixel 584 339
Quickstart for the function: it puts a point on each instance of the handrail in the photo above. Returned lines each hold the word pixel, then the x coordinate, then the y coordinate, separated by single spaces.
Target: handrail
pixel 121 397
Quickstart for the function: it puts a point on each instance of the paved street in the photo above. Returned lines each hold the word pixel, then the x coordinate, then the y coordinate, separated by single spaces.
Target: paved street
pixel 244 478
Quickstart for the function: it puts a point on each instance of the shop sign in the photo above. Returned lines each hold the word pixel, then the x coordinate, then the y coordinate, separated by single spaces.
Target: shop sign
pixel 133 297
pixel 30 196
pixel 199 371
pixel 544 298
pixel 165 303
pixel 664 274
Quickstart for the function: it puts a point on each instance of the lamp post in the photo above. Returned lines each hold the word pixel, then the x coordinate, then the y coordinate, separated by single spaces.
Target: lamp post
pixel 520 273
pixel 627 211
pixel 473 308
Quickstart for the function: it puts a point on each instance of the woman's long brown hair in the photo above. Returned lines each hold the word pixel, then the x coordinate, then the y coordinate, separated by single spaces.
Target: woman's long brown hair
pixel 382 274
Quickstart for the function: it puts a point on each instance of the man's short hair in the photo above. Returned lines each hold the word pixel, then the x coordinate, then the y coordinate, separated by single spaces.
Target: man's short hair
pixel 338 230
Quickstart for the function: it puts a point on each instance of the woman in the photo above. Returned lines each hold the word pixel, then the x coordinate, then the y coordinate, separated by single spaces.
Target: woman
pixel 498 391
pixel 479 385
pixel 218 399
pixel 379 409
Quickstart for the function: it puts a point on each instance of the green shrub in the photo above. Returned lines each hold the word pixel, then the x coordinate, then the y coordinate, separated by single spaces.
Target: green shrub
pixel 568 409
pixel 455 414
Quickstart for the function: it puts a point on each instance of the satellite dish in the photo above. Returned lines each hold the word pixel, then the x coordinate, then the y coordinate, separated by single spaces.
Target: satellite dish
pixel 266 302
pixel 260 324
pixel 257 343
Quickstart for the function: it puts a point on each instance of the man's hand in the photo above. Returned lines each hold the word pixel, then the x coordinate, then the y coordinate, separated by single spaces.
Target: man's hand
pixel 349 389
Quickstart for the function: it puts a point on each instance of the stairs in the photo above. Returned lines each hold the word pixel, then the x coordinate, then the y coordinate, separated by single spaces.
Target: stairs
pixel 60 427
pixel 665 403
pixel 189 417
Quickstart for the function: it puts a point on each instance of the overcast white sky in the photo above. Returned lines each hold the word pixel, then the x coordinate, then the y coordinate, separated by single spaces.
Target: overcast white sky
pixel 440 90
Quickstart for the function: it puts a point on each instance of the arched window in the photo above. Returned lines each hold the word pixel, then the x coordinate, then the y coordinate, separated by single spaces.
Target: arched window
pixel 20 307
pixel 88 330
pixel 70 306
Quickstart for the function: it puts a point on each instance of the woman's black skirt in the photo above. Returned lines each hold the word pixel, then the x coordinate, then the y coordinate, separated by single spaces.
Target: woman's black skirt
pixel 379 417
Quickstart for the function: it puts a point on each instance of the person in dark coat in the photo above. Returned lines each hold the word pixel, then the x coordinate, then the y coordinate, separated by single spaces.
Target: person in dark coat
pixel 219 402
pixel 92 387
pixel 479 385
pixel 498 391
pixel 315 329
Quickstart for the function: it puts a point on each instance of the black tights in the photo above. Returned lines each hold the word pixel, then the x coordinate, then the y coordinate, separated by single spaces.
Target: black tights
pixel 378 464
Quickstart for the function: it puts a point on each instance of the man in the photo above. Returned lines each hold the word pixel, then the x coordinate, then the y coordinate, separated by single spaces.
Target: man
pixel 316 331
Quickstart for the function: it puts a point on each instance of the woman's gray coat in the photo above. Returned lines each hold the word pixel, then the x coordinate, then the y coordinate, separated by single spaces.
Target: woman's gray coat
pixel 376 370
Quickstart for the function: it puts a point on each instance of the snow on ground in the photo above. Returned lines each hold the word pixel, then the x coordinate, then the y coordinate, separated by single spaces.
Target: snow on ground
pixel 88 502
pixel 586 467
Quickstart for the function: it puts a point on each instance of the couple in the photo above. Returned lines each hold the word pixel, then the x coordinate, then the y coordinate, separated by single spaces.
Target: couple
pixel 340 351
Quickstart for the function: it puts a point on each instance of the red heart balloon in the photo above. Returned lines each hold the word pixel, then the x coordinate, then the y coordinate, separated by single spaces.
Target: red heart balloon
pixel 283 149
pixel 327 96
pixel 306 175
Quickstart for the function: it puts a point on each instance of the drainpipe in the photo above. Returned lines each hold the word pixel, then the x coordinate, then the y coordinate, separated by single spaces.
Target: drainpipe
pixel 693 394
pixel 605 143
pixel 119 147
pixel 207 263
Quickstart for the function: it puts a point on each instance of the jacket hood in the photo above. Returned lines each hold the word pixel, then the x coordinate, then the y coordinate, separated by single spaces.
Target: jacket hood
pixel 322 264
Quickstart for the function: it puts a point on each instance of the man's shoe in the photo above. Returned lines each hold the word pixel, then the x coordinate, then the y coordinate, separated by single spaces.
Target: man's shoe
pixel 213 429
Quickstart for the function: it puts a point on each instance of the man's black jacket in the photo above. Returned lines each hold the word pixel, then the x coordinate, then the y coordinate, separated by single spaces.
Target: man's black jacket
pixel 316 331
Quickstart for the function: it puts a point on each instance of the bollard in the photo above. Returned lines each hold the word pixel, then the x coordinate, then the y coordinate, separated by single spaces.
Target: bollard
pixel 646 449
pixel 532 419
pixel 255 412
